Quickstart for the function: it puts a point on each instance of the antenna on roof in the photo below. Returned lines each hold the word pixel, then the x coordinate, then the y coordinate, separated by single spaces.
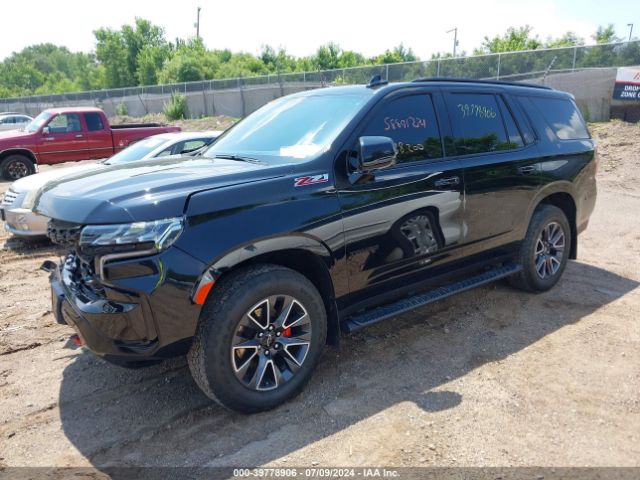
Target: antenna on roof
pixel 376 81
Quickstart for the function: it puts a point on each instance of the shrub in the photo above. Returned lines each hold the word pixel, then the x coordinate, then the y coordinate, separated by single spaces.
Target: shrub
pixel 121 110
pixel 176 107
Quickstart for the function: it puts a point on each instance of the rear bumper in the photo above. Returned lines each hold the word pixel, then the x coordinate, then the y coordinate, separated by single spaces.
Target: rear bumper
pixel 125 324
pixel 24 223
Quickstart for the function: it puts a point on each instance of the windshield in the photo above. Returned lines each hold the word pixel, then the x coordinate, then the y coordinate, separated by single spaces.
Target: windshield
pixel 298 127
pixel 38 122
pixel 137 151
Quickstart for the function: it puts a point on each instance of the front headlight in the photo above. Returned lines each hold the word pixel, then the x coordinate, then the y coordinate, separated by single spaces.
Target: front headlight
pixel 29 199
pixel 158 235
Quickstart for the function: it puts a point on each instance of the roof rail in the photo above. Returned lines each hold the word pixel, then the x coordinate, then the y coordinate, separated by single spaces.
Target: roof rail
pixel 489 82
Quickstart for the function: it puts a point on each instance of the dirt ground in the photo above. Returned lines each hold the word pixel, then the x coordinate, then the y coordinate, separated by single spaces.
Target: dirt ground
pixel 491 377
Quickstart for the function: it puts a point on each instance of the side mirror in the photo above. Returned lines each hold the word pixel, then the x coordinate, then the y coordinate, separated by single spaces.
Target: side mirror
pixel 45 131
pixel 376 153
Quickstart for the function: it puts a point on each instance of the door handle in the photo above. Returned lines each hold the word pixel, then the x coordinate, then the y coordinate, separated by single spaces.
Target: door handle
pixel 443 182
pixel 48 139
pixel 79 135
pixel 526 170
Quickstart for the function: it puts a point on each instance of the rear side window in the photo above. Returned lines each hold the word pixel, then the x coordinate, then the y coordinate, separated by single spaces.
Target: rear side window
pixel 563 117
pixel 410 121
pixel 94 121
pixel 479 125
pixel 512 129
pixel 191 145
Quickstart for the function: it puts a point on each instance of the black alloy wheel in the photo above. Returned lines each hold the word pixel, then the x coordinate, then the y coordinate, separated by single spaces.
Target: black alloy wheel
pixel 271 342
pixel 549 250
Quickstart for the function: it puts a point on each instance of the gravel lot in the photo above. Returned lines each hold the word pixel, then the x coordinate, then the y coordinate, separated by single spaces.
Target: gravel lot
pixel 491 377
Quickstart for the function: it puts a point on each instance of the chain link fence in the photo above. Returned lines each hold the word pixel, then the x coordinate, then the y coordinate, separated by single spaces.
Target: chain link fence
pixel 515 66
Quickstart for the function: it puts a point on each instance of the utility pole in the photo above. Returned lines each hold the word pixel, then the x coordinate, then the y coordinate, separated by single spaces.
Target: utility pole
pixel 197 25
pixel 630 25
pixel 455 39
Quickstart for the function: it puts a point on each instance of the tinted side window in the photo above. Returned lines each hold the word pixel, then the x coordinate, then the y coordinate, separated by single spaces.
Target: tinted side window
pixel 515 139
pixel 411 123
pixel 563 117
pixel 478 126
pixel 94 122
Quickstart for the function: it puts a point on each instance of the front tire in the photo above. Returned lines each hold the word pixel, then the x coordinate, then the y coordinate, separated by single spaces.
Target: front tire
pixel 260 336
pixel 15 167
pixel 544 251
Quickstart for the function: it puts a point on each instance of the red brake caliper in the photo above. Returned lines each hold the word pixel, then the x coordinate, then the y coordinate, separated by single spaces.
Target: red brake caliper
pixel 286 332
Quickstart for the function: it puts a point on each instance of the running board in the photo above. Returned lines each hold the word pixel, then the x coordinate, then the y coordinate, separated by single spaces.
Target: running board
pixel 378 314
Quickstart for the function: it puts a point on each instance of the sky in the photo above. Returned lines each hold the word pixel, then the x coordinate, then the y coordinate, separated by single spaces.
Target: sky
pixel 301 26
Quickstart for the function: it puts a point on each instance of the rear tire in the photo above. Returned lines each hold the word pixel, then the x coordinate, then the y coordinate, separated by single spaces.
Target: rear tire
pixel 544 251
pixel 16 166
pixel 282 346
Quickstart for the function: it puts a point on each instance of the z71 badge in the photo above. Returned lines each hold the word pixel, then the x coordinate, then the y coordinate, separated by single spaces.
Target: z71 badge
pixel 311 180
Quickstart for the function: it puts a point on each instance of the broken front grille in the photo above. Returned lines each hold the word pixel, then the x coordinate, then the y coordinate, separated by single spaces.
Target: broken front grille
pixel 82 276
pixel 64 233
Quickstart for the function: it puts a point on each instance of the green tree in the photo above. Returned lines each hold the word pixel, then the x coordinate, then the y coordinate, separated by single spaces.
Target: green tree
pixel 569 39
pixel 49 68
pixel 604 55
pixel 396 55
pixel 349 58
pixel 143 35
pixel 151 60
pixel 130 55
pixel 277 61
pixel 190 61
pixel 606 34
pixel 327 56
pixel 241 65
pixel 111 51
pixel 514 39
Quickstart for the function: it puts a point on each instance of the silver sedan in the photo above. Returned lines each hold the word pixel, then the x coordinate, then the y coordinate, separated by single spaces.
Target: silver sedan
pixel 13 121
pixel 16 208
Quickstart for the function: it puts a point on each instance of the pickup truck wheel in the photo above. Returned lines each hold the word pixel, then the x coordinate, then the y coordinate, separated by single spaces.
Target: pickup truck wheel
pixel 16 166
pixel 544 251
pixel 260 336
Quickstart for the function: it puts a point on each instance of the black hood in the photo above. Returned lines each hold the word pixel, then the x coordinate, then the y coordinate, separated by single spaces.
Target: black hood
pixel 143 191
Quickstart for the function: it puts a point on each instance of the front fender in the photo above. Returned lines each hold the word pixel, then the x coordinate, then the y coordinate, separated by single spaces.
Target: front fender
pixel 301 252
pixel 27 152
pixel 256 248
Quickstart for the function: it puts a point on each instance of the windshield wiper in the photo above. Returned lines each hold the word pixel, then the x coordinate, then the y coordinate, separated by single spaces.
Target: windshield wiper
pixel 238 158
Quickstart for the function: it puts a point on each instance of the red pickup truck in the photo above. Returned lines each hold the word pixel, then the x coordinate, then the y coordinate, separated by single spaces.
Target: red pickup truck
pixel 67 134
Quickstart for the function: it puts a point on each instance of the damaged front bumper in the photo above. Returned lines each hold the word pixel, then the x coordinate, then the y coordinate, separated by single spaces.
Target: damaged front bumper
pixel 141 311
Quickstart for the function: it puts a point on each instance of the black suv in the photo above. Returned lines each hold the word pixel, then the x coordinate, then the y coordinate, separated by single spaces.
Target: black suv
pixel 324 211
